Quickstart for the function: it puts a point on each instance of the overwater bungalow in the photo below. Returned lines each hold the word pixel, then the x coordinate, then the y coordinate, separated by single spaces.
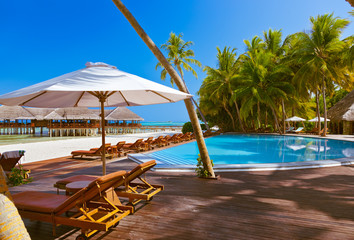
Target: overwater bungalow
pixel 78 121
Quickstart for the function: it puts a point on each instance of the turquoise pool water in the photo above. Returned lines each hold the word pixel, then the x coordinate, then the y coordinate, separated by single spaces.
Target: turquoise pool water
pixel 250 149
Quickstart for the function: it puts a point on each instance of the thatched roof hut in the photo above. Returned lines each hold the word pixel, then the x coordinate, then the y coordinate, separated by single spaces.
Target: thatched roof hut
pixel 73 113
pixel 343 110
pixel 14 113
pixel 76 113
pixel 123 114
pixel 54 116
pixel 39 113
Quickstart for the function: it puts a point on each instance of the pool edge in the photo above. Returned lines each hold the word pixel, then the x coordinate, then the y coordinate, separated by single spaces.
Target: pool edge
pixel 141 158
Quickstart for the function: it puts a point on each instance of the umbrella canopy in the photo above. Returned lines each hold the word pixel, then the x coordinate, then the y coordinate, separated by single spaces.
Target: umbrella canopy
pixel 316 119
pixel 98 84
pixel 295 119
pixel 82 87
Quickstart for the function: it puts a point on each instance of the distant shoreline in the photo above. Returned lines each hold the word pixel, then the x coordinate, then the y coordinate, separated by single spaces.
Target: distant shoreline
pixel 62 146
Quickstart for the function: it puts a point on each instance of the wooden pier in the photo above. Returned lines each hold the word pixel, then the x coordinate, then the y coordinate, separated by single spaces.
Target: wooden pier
pixel 62 122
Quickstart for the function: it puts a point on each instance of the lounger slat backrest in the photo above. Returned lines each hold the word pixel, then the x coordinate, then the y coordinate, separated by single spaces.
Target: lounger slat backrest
pixel 100 149
pixel 139 170
pixel 120 145
pixel 7 162
pixel 137 143
pixel 92 191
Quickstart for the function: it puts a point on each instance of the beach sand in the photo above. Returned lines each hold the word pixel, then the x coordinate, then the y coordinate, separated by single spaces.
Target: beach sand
pixel 38 151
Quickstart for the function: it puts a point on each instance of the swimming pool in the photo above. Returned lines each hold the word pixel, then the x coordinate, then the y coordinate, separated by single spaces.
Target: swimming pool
pixel 248 149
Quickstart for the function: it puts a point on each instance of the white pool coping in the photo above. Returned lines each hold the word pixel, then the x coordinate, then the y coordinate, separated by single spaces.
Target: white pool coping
pixel 161 167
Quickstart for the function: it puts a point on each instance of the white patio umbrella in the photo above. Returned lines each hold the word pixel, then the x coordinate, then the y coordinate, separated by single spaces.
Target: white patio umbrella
pixel 321 119
pixel 98 84
pixel 295 119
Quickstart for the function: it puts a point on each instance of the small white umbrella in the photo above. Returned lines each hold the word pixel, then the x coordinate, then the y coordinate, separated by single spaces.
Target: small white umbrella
pixel 321 119
pixel 98 84
pixel 295 119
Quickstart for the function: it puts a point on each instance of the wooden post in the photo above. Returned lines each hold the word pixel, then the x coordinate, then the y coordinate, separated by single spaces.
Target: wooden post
pixel 102 101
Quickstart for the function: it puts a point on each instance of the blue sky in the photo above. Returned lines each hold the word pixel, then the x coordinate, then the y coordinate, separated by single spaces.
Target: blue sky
pixel 42 39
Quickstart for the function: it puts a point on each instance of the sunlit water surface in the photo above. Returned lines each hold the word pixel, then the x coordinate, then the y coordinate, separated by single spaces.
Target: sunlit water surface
pixel 249 148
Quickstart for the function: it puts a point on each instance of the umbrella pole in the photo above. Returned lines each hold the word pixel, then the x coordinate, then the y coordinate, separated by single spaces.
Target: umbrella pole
pixel 103 133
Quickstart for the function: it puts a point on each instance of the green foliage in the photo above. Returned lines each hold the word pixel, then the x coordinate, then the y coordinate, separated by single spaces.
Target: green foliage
pixel 200 170
pixel 252 89
pixel 337 96
pixel 179 55
pixel 19 176
pixel 187 127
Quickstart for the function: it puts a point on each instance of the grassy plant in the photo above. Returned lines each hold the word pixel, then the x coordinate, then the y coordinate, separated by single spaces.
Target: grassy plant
pixel 19 176
pixel 200 170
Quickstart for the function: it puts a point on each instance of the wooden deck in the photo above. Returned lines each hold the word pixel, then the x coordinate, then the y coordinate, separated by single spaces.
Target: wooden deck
pixel 297 204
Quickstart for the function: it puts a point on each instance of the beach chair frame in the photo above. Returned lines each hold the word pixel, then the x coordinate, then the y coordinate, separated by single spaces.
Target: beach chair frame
pixel 94 152
pixel 98 209
pixel 142 190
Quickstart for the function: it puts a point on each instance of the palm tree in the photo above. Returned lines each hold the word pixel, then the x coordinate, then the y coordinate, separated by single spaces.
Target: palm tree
pixel 262 81
pixel 172 72
pixel 223 79
pixel 180 56
pixel 213 94
pixel 263 70
pixel 318 54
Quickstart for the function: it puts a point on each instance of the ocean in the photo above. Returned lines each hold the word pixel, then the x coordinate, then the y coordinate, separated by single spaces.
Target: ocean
pixel 159 124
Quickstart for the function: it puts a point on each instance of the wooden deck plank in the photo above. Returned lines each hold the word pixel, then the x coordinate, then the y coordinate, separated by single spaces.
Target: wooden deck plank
pixel 297 204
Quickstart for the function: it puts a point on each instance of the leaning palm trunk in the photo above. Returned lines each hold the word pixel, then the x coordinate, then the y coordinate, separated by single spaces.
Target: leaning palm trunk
pixel 324 106
pixel 276 120
pixel 201 114
pixel 259 115
pixel 230 115
pixel 318 112
pixel 283 109
pixel 195 103
pixel 174 75
pixel 239 116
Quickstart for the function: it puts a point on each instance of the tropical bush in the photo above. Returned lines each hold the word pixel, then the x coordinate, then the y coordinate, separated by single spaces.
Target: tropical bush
pixel 19 176
pixel 200 170
pixel 187 127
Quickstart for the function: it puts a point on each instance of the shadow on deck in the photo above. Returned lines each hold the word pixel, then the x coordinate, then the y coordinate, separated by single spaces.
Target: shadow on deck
pixel 297 204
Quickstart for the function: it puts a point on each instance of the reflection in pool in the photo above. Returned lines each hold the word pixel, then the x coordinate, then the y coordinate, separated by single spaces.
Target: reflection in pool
pixel 252 148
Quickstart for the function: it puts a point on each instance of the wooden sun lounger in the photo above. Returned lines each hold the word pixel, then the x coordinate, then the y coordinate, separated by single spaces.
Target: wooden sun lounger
pixel 97 209
pixel 175 138
pixel 117 149
pixel 135 192
pixel 321 132
pixel 93 152
pixel 207 133
pixel 9 160
pixel 148 143
pixel 186 137
pixel 159 142
pixel 137 146
pixel 313 130
pixel 142 190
